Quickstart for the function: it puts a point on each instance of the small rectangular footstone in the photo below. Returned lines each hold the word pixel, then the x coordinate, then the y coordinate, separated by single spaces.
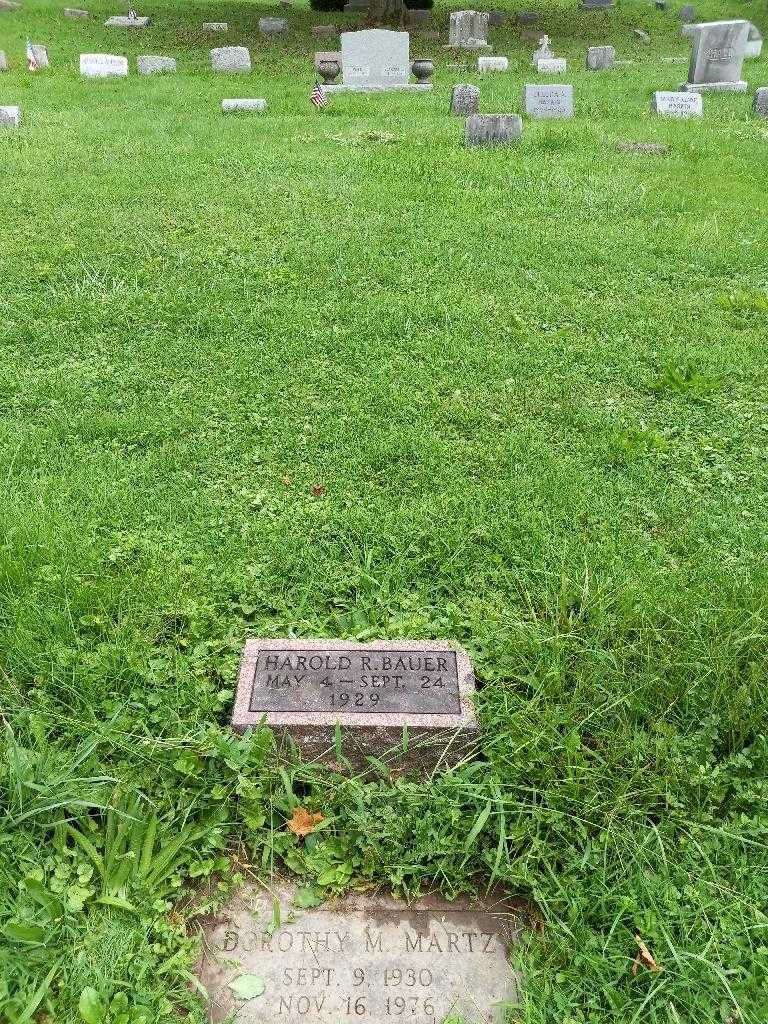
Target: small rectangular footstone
pixel 230 106
pixel 74 12
pixel 677 104
pixel 3 61
pixel 373 691
pixel 493 129
pixel 366 958
pixel 215 26
pixel 10 117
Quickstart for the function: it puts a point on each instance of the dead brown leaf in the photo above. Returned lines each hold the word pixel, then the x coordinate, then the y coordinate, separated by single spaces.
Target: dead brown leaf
pixel 317 491
pixel 287 480
pixel 644 958
pixel 303 822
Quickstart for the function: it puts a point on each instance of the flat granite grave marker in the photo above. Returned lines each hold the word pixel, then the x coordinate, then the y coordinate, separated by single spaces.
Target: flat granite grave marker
pixel 231 58
pixel 251 105
pixel 760 102
pixel 717 55
pixel 149 64
pixel 3 61
pixel 465 99
pixel 363 957
pixel 122 21
pixel 493 129
pixel 677 104
pixel 75 12
pixel 10 117
pixel 600 58
pixel 103 65
pixel 548 101
pixel 9 5
pixel 215 26
pixel 376 60
pixel 305 687
pixel 485 64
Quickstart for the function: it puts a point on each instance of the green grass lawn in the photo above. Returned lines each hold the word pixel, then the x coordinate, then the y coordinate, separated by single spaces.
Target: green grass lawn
pixel 532 383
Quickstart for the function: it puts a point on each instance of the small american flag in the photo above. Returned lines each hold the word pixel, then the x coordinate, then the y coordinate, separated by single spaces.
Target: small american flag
pixel 317 97
pixel 31 58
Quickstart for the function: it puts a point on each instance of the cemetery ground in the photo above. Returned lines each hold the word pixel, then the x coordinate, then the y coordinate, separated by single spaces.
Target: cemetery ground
pixel 334 374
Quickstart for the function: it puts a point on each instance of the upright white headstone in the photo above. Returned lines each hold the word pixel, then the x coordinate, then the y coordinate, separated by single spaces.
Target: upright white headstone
pixel 103 65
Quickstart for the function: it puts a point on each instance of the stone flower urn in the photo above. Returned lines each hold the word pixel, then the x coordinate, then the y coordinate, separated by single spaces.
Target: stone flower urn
pixel 423 70
pixel 329 69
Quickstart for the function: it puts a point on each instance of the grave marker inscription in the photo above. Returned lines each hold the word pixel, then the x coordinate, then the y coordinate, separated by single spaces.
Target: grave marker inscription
pixel 366 958
pixel 677 104
pixel 548 101
pixel 103 65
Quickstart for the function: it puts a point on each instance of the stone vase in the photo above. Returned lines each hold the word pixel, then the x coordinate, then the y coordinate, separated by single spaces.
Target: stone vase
pixel 423 70
pixel 328 69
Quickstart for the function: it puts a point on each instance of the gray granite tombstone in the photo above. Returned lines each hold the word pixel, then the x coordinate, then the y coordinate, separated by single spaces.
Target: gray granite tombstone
pixel 372 691
pixel 250 105
pixel 468 30
pixel 496 18
pixel 3 61
pixel 677 104
pixel 416 17
pixel 9 5
pixel 600 58
pixel 10 117
pixel 215 26
pixel 324 30
pixel 548 101
pixel 465 100
pixel 754 45
pixel 364 956
pixel 103 65
pixel 760 103
pixel 543 51
pixel 527 17
pixel 40 54
pixel 642 35
pixel 74 12
pixel 376 60
pixel 717 56
pixel 493 129
pixel 596 5
pixel 150 64
pixel 231 58
pixel 272 26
